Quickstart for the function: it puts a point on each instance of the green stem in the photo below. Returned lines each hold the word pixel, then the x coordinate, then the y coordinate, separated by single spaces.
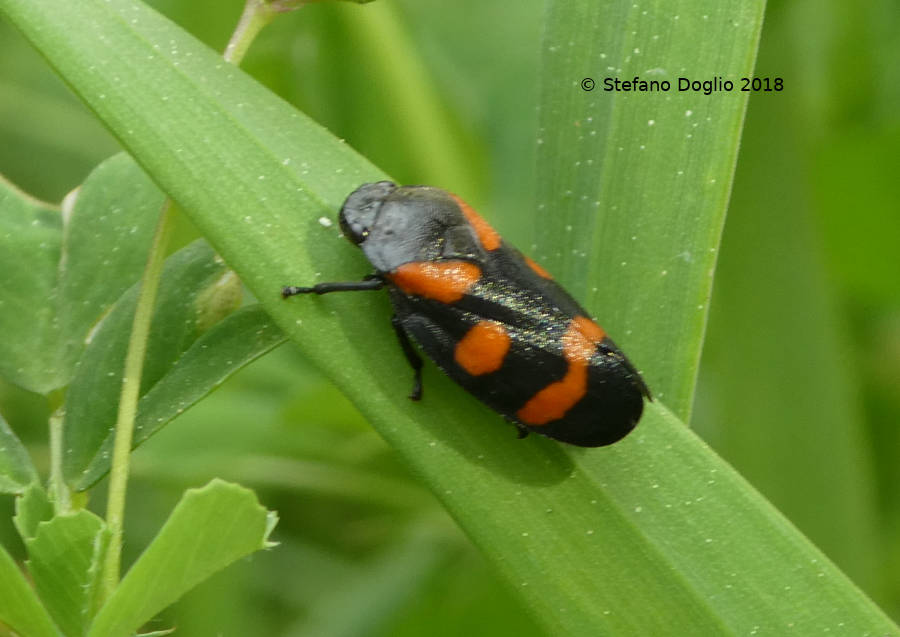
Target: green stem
pixel 131 384
pixel 256 15
pixel 59 491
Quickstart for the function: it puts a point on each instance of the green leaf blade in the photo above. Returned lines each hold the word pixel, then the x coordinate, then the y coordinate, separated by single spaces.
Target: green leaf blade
pixel 20 608
pixel 64 556
pixel 229 345
pixel 32 508
pixel 733 546
pixel 91 410
pixel 264 134
pixel 17 471
pixel 261 160
pixel 635 184
pixel 655 535
pixel 30 247
pixel 234 342
pixel 504 492
pixel 108 230
pixel 63 270
pixel 775 287
pixel 209 528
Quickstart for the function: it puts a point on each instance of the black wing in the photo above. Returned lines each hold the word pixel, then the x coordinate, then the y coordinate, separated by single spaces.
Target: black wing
pixel 535 312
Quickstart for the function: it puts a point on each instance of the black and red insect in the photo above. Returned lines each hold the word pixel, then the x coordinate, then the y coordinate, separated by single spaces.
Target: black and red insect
pixel 491 318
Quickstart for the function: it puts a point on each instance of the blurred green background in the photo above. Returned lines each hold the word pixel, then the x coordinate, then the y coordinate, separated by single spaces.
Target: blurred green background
pixel 804 327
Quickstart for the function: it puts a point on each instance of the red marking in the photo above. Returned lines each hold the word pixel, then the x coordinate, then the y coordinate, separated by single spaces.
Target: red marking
pixel 541 272
pixel 483 348
pixel 488 237
pixel 553 401
pixel 444 281
pixel 589 329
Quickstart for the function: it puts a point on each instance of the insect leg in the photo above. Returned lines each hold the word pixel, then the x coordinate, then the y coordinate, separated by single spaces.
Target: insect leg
pixel 371 282
pixel 412 357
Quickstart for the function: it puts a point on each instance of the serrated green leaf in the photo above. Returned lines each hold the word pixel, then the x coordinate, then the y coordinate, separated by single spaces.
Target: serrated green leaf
pixel 16 469
pixel 208 529
pixel 655 535
pixel 232 343
pixel 91 408
pixel 67 269
pixel 63 558
pixel 32 508
pixel 20 608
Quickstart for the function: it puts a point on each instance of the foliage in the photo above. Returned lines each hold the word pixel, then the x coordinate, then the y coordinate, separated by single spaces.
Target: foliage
pixel 656 534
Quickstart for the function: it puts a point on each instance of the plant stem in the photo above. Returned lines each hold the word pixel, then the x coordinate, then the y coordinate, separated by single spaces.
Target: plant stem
pixel 131 384
pixel 59 492
pixel 256 15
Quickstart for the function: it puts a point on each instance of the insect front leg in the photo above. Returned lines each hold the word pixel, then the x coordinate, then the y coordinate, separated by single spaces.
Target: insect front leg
pixel 371 282
pixel 415 361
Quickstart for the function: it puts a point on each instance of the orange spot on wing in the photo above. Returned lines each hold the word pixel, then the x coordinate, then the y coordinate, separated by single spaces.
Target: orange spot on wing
pixel 589 329
pixel 488 237
pixel 553 401
pixel 444 281
pixel 483 348
pixel 541 272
